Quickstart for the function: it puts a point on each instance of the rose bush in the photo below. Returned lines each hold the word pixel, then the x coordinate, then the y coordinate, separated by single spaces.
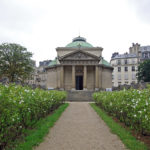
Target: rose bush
pixel 130 106
pixel 21 107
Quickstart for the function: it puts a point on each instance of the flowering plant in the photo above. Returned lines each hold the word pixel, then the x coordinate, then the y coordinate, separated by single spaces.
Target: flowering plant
pixel 130 106
pixel 21 107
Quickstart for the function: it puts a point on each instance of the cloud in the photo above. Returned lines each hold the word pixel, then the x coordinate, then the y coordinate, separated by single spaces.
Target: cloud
pixel 15 15
pixel 142 8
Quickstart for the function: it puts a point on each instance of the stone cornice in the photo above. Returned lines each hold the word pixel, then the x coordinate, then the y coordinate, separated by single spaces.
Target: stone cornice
pixel 79 48
pixel 79 62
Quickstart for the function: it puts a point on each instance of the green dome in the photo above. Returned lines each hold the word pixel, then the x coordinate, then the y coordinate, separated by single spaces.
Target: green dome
pixel 79 42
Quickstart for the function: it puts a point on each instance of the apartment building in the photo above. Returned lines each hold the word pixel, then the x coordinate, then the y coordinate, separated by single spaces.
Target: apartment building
pixel 126 65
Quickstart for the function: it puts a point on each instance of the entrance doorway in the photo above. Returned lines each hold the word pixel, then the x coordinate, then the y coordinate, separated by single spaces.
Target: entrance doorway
pixel 79 82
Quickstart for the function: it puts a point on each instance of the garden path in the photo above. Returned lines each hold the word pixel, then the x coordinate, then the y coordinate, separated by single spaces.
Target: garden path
pixel 80 128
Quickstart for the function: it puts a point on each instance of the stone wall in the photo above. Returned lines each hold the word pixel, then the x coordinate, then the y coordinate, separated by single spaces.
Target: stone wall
pixel 79 95
pixel 52 78
pixel 90 78
pixel 106 78
pixel 142 85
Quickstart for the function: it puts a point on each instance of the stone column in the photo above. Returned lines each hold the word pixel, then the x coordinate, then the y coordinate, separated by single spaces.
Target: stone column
pixel 85 78
pixel 62 78
pixel 96 78
pixel 73 77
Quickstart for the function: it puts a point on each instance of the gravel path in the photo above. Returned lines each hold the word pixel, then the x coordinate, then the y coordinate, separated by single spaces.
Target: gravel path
pixel 80 128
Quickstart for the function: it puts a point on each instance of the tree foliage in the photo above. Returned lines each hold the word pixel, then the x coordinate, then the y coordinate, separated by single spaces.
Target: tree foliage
pixel 144 71
pixel 15 62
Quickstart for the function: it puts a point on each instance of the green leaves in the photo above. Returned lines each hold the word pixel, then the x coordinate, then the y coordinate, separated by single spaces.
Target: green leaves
pixel 144 71
pixel 21 107
pixel 130 106
pixel 15 62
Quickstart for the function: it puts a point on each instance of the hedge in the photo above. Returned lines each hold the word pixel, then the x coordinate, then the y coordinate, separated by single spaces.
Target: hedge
pixel 130 106
pixel 21 107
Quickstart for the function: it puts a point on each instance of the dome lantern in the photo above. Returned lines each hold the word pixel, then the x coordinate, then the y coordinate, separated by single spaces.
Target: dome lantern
pixel 79 41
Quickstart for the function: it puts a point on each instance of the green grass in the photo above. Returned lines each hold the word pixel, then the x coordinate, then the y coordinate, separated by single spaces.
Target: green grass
pixel 129 141
pixel 35 136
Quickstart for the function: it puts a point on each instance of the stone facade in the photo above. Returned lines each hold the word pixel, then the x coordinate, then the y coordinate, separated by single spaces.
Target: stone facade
pixel 79 66
pixel 126 65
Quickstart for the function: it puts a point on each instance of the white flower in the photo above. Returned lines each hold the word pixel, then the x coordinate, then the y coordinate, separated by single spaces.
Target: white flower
pixel 26 90
pixel 140 112
pixel 133 106
pixel 139 92
pixel 21 102
pixel 132 100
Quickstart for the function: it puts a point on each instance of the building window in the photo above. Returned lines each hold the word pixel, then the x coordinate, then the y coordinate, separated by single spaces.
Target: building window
pixel 119 69
pixel 119 83
pixel 133 61
pixel 125 68
pixel 133 68
pixel 126 76
pixel 133 76
pixel 119 62
pixel 146 55
pixel 125 61
pixel 119 76
pixel 112 77
pixel 126 82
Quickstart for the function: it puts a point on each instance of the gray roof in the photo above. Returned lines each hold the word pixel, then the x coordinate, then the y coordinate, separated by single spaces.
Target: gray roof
pixel 144 48
pixel 126 55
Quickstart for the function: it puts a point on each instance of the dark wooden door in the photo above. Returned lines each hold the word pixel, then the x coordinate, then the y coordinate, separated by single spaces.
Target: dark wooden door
pixel 79 82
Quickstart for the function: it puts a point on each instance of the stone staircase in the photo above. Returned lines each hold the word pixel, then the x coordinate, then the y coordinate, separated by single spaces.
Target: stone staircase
pixel 78 95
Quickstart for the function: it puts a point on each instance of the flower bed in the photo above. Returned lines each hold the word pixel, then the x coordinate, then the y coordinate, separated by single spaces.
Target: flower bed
pixel 130 106
pixel 21 107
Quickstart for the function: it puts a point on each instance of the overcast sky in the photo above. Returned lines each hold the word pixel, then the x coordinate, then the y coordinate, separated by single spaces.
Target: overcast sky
pixel 43 25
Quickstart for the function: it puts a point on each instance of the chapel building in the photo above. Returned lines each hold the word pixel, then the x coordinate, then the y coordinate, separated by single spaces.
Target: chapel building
pixel 79 66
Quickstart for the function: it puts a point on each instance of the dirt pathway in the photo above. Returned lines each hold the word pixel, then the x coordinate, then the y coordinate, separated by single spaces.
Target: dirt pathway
pixel 80 128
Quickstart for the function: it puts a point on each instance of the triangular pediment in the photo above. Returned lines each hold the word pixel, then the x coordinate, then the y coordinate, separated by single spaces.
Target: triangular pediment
pixel 79 55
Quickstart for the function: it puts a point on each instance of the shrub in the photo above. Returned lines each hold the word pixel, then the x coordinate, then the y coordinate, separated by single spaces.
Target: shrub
pixel 130 106
pixel 21 107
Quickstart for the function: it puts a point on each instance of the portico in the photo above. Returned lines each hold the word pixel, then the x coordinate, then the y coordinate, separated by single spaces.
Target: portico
pixel 79 77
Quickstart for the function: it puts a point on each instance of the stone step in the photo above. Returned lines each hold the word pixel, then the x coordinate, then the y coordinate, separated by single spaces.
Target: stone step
pixel 79 95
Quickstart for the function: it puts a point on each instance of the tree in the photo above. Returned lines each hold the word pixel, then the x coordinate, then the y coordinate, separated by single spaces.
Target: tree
pixel 15 62
pixel 144 71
